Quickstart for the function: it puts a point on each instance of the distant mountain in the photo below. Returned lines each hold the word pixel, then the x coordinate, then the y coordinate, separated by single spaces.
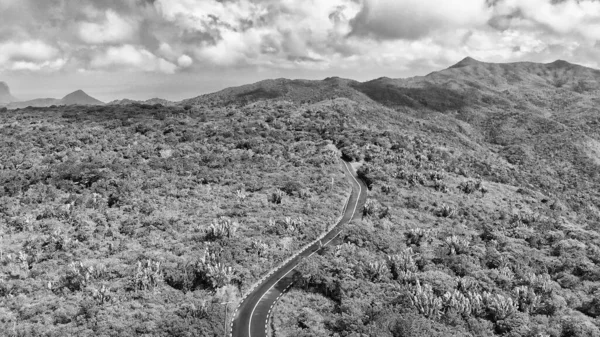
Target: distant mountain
pixel 467 61
pixel 123 101
pixel 5 95
pixel 151 101
pixel 468 82
pixel 78 97
pixel 470 73
pixel 309 91
pixel 38 102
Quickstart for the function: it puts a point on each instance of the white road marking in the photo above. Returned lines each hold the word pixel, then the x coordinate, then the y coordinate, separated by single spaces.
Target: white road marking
pixel 271 287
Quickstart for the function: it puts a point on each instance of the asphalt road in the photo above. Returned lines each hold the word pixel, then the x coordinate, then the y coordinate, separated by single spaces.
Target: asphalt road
pixel 252 316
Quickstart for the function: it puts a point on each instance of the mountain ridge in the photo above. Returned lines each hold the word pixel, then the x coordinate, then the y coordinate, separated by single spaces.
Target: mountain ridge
pixel 77 97
pixel 468 79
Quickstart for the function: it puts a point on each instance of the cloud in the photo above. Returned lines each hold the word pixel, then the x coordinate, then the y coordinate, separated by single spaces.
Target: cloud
pixel 114 29
pixel 407 37
pixel 184 61
pixel 415 19
pixel 47 66
pixel 130 57
pixel 32 55
pixel 33 50
pixel 563 18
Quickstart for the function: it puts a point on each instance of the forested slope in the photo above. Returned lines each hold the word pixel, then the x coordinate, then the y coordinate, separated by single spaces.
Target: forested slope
pixel 142 219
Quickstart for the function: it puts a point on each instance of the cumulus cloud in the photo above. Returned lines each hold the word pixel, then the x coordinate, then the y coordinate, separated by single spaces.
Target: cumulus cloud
pixel 184 61
pixel 414 19
pixel 166 36
pixel 265 33
pixel 33 55
pixel 113 29
pixel 560 18
pixel 34 50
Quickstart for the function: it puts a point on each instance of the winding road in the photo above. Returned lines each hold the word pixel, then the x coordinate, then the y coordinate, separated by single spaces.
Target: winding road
pixel 251 318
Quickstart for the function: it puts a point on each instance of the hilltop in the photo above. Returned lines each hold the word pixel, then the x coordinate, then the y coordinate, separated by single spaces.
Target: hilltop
pixel 79 97
pixel 298 91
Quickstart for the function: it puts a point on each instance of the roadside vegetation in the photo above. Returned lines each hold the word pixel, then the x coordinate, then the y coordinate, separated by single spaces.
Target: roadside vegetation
pixel 144 219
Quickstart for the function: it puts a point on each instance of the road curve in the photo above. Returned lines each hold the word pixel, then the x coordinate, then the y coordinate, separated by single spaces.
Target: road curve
pixel 252 316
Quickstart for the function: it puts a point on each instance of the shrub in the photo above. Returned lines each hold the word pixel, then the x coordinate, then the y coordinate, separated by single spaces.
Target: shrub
pixel 370 208
pixel 440 186
pixel 221 228
pixel 525 218
pixel 79 276
pixel 402 263
pixel 147 276
pixel 527 300
pixel 291 225
pixel 277 196
pixel 412 178
pixel 212 271
pixel 102 295
pixel 457 245
pixel 425 301
pixel 377 271
pixel 218 275
pixel 498 307
pixel 386 188
pixel 446 211
pixel 458 302
pixel 292 186
pixel 418 236
pixel 304 193
pixel 259 247
pixel 470 186
pixel 579 326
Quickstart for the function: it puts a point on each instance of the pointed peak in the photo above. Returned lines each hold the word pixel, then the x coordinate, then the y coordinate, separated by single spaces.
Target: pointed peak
pixel 80 97
pixel 467 61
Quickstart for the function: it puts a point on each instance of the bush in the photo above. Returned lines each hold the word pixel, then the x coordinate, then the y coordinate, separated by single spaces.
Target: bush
pixel 579 326
pixel 470 186
pixel 292 186
pixel 147 276
pixel 277 196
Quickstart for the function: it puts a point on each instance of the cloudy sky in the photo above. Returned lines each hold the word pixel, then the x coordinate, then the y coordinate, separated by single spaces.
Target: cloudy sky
pixel 181 48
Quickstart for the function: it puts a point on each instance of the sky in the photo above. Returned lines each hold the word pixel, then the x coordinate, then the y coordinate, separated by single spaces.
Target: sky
pixel 178 49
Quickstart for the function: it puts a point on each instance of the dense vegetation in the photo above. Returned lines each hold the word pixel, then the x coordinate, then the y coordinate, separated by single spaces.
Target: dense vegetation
pixel 482 216
pixel 145 219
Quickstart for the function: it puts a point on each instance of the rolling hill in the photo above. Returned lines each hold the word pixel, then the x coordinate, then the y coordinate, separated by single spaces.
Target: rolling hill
pixel 151 101
pixel 467 83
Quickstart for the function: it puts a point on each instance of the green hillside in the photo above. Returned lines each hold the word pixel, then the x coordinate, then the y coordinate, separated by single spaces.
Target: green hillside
pixel 482 216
